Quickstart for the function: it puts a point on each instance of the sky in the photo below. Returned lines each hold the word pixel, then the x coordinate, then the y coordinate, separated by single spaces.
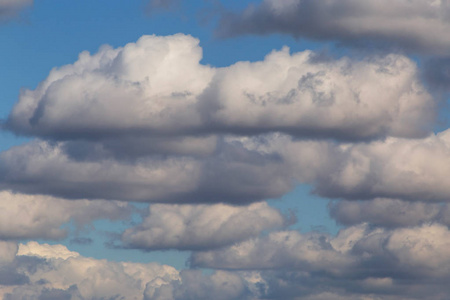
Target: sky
pixel 230 150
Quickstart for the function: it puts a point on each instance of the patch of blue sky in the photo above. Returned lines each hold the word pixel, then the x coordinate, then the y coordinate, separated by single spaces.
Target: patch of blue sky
pixel 310 210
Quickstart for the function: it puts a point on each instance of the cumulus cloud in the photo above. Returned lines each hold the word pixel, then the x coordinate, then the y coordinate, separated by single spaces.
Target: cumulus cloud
pixel 409 263
pixel 157 87
pixel 234 173
pixel 10 8
pixel 412 25
pixel 356 252
pixel 25 216
pixel 55 271
pixel 393 168
pixel 193 285
pixel 194 227
pixel 389 212
pixel 240 170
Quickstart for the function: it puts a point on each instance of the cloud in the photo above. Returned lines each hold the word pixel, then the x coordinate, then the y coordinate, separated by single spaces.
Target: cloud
pixel 234 173
pixel 409 169
pixel 358 251
pixel 195 227
pixel 409 263
pixel 240 170
pixel 389 212
pixel 11 8
pixel 55 271
pixel 160 5
pixel 416 26
pixel 25 216
pixel 193 285
pixel 46 251
pixel 157 88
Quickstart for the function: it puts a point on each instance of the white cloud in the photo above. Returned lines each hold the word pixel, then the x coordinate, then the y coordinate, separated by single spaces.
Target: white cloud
pixel 25 216
pixel 200 226
pixel 59 271
pixel 393 168
pixel 45 250
pixel 157 87
pixel 415 25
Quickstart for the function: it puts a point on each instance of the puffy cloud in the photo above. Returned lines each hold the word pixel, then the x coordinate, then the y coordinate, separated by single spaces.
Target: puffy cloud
pixel 279 250
pixel 25 216
pixel 356 252
pixel 409 263
pixel 54 271
pixel 234 173
pixel 393 168
pixel 415 25
pixel 389 212
pixel 10 8
pixel 157 87
pixel 197 227
pixel 239 170
pixel 193 285
pixel 45 250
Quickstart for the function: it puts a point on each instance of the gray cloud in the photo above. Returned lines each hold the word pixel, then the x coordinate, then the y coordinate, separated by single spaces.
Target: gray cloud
pixel 11 8
pixel 109 95
pixel 359 252
pixel 239 170
pixel 235 173
pixel 195 227
pixel 396 265
pixel 389 212
pixel 417 26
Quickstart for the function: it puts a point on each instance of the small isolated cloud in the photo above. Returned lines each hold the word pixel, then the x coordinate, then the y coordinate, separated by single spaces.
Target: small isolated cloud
pixel 11 8
pixel 195 227
pixel 417 25
pixel 162 5
pixel 157 88
pixel 25 216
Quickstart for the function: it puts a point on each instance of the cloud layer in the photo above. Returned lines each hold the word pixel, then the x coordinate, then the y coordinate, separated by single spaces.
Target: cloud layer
pixel 418 26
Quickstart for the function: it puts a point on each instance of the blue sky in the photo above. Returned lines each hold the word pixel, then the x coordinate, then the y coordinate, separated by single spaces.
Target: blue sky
pixel 170 149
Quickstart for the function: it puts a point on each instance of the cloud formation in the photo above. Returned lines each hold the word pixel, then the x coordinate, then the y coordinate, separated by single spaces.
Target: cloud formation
pixel 357 251
pixel 11 8
pixel 389 212
pixel 195 227
pixel 417 25
pixel 24 216
pixel 54 271
pixel 156 87
pixel 410 169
